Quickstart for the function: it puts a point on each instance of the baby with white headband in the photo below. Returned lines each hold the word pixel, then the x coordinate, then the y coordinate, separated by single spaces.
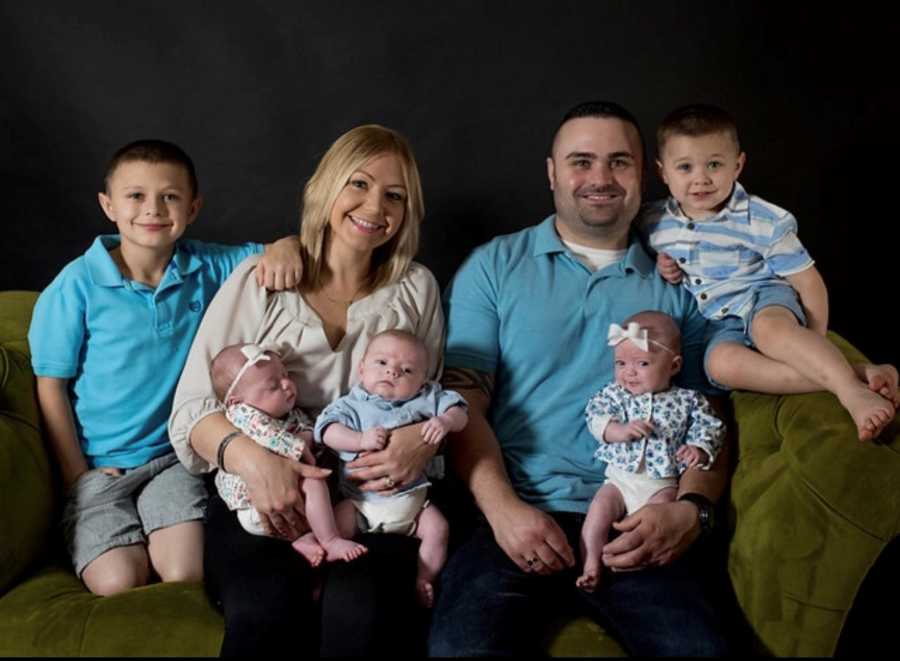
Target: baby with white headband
pixel 259 398
pixel 649 431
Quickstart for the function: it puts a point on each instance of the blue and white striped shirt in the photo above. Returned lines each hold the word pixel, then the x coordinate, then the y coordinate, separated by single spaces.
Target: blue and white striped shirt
pixel 751 243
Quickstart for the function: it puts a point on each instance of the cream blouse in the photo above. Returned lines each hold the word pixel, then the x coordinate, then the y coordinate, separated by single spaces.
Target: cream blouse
pixel 242 311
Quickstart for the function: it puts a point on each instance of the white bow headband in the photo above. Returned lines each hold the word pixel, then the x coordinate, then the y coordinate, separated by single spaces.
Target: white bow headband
pixel 254 354
pixel 635 334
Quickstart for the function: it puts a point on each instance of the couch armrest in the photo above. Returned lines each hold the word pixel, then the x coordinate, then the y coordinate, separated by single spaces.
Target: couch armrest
pixel 26 490
pixel 812 508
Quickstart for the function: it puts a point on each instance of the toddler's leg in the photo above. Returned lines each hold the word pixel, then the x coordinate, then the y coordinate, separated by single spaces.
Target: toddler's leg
pixel 777 334
pixel 321 520
pixel 434 532
pixel 176 552
pixel 606 507
pixel 117 570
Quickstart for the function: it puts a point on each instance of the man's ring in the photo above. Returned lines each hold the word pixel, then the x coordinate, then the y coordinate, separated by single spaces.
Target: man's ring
pixel 390 482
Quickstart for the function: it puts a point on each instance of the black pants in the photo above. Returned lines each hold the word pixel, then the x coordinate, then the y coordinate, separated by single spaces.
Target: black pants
pixel 264 589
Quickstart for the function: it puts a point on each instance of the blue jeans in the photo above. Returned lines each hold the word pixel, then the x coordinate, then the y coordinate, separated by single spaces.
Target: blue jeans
pixel 487 606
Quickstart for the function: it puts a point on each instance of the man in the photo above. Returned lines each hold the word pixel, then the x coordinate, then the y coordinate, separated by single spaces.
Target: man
pixel 527 317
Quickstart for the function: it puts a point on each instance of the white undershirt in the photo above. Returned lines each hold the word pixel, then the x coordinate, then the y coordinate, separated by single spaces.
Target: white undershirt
pixel 595 258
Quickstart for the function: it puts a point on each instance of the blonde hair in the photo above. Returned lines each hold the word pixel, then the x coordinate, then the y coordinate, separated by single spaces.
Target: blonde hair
pixel 347 154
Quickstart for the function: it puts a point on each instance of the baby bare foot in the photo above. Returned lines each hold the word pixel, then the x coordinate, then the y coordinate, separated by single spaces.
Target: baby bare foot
pixel 343 549
pixel 870 411
pixel 882 379
pixel 425 593
pixel 307 546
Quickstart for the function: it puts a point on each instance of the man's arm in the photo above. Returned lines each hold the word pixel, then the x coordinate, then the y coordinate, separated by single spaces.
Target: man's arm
pixel 521 530
pixel 658 534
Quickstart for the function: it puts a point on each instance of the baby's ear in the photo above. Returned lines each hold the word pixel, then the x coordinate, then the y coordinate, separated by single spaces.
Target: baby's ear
pixel 676 365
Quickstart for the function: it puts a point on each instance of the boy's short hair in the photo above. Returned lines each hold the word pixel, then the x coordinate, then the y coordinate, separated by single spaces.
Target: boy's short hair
pixel 695 120
pixel 153 151
pixel 402 335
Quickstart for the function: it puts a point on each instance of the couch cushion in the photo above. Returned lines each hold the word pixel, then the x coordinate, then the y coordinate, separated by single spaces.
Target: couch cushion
pixel 51 614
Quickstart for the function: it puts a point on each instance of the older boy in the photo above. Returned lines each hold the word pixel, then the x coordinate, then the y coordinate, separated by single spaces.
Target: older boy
pixel 751 275
pixel 108 340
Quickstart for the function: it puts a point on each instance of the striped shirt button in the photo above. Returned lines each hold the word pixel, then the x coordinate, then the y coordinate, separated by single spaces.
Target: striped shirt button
pixel 682 260
pixel 703 297
pixel 690 226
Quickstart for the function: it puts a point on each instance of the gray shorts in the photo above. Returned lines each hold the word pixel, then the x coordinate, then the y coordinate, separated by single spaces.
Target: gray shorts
pixel 733 329
pixel 103 511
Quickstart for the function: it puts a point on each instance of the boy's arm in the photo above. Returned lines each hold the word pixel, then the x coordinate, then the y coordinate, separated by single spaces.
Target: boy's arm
pixel 53 397
pixel 810 287
pixel 281 266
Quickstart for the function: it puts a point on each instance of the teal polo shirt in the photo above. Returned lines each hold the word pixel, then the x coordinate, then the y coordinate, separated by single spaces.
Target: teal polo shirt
pixel 523 308
pixel 122 344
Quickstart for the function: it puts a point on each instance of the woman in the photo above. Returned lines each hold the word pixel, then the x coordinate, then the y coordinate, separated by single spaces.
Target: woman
pixel 360 221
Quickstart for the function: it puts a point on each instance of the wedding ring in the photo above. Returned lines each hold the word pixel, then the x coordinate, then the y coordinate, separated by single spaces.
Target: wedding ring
pixel 390 482
pixel 530 562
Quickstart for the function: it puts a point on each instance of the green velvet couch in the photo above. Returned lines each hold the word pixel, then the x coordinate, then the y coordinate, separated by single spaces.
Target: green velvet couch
pixel 809 512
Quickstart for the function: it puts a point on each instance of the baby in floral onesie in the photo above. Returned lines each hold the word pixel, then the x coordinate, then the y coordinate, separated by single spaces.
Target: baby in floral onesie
pixel 259 399
pixel 649 431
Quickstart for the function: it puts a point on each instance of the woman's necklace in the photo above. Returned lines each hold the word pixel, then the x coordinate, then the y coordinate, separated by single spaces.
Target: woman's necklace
pixel 345 303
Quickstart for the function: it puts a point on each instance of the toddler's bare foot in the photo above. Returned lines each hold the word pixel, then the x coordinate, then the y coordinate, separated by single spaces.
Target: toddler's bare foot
pixel 307 546
pixel 870 411
pixel 882 379
pixel 425 593
pixel 343 549
pixel 590 578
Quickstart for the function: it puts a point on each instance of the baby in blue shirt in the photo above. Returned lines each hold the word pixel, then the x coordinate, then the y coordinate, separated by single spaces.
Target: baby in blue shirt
pixel 108 339
pixel 392 392
pixel 648 430
pixel 741 259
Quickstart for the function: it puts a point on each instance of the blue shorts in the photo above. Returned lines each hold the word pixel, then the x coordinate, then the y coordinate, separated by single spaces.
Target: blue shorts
pixel 103 511
pixel 734 329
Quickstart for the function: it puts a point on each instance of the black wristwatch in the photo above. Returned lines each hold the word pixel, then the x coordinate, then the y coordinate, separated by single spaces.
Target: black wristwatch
pixel 705 509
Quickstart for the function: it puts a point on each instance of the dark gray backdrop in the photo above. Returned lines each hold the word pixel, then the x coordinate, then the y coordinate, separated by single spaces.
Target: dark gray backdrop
pixel 256 91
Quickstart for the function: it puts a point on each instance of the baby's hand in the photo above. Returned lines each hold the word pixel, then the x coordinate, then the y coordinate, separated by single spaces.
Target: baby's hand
pixel 668 268
pixel 374 438
pixel 616 432
pixel 434 430
pixel 691 455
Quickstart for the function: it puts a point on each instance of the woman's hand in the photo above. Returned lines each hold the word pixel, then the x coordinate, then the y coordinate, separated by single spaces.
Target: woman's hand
pixel 397 465
pixel 274 487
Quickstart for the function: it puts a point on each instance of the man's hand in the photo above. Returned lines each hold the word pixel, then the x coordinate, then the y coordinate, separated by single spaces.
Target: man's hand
pixel 655 535
pixel 280 267
pixel 668 268
pixel 617 432
pixel 531 538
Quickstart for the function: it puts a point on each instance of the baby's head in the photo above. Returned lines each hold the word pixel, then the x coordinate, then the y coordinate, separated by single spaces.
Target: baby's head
pixel 244 373
pixel 151 193
pixel 394 365
pixel 699 158
pixel 648 352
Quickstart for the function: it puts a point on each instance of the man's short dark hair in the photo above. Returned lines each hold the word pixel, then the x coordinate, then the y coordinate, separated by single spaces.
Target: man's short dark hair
pixel 696 120
pixel 600 109
pixel 153 151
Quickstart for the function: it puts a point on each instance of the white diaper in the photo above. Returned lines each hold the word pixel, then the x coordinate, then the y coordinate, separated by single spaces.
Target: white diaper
pixel 636 488
pixel 251 521
pixel 395 514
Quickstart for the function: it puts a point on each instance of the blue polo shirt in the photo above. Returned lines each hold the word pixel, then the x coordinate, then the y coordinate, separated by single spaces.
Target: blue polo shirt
pixel 525 309
pixel 122 344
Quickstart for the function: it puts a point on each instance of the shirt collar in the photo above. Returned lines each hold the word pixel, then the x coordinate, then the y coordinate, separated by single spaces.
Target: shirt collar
pixel 105 273
pixel 738 203
pixel 547 241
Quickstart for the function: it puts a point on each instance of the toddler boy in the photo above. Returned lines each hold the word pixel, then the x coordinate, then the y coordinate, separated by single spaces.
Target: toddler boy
pixel 742 260
pixel 108 339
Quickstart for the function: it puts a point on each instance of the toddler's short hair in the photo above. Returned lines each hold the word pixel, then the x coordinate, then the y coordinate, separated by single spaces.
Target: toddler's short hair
pixel 696 120
pixel 153 151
